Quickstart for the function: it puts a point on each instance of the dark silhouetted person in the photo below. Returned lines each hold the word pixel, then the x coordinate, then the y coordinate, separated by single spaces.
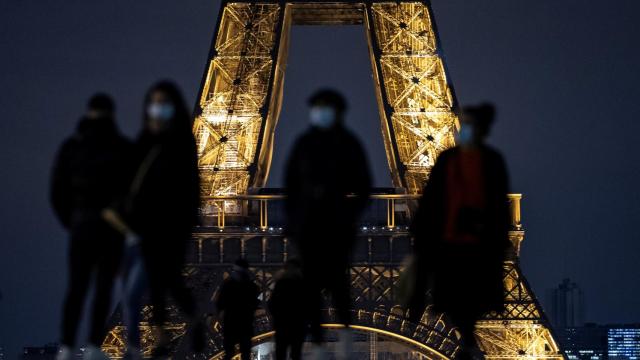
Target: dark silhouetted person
pixel 287 307
pixel 236 303
pixel 461 228
pixel 327 187
pixel 161 208
pixel 88 176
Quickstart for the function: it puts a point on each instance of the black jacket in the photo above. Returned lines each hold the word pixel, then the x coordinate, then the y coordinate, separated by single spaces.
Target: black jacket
pixel 287 303
pixel 238 299
pixel 164 197
pixel 91 171
pixel 324 167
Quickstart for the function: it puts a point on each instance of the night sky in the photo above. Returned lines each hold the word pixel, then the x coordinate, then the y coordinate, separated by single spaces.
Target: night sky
pixel 564 75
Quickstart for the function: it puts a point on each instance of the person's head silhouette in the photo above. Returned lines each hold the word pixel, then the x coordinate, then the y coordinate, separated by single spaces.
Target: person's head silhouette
pixel 241 263
pixel 475 124
pixel 327 108
pixel 165 109
pixel 100 106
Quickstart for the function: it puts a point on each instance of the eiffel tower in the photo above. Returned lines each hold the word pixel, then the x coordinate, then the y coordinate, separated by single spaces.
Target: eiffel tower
pixel 238 107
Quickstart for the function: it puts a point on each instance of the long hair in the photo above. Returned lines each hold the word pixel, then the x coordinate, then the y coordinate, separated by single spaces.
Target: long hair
pixel 178 139
pixel 180 125
pixel 179 135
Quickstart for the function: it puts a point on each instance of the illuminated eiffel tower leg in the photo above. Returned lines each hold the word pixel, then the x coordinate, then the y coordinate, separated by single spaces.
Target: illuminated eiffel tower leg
pixel 241 92
pixel 239 100
pixel 522 331
pixel 415 98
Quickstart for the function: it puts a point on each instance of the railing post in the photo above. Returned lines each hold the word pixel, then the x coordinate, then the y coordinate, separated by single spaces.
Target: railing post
pixel 391 213
pixel 264 216
pixel 516 231
pixel 221 250
pixel 221 216
pixel 514 210
pixel 285 250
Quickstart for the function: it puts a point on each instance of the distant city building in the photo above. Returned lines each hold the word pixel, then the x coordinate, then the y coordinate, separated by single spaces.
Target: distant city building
pixel 588 342
pixel 567 305
pixel 47 352
pixel 601 342
pixel 624 342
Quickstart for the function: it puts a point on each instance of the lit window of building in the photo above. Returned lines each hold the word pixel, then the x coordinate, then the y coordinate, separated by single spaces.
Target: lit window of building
pixel 624 343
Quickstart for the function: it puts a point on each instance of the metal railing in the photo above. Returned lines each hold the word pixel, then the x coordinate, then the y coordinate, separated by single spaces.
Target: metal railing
pixel 245 209
pixel 250 207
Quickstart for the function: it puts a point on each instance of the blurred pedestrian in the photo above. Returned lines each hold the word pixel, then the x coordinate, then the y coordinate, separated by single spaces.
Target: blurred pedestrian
pixel 327 187
pixel 236 303
pixel 461 229
pixel 288 311
pixel 89 175
pixel 159 213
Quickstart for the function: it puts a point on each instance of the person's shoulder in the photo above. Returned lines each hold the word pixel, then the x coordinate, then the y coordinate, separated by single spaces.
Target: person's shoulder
pixel 492 153
pixel 304 140
pixel 123 140
pixel 450 151
pixel 70 143
pixel 350 138
pixel 348 133
pixel 254 285
pixel 121 144
pixel 301 139
pixel 447 153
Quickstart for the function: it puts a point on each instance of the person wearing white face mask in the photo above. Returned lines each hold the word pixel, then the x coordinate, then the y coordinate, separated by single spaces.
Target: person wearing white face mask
pixel 461 230
pixel 327 164
pixel 158 215
pixel 159 114
pixel 322 116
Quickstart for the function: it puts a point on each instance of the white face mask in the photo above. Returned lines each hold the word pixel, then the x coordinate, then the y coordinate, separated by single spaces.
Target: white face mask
pixel 161 111
pixel 322 117
pixel 465 135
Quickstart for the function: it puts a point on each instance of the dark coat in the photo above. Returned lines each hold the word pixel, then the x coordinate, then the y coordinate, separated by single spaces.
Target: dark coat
pixel 238 299
pixel 90 173
pixel 164 198
pixel 324 167
pixel 287 303
pixel 466 277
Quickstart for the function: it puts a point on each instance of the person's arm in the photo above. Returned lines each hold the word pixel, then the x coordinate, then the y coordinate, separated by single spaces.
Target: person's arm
pixel 192 183
pixel 60 191
pixel 504 216
pixel 292 189
pixel 256 295
pixel 221 298
pixel 362 173
pixel 431 198
pixel 114 219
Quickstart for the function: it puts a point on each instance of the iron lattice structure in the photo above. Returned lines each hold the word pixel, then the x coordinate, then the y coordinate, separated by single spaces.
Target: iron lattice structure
pixel 237 112
pixel 241 93
pixel 521 332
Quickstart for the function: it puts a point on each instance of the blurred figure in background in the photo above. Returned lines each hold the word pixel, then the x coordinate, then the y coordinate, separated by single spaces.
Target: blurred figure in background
pixel 287 307
pixel 89 174
pixel 461 229
pixel 236 302
pixel 159 213
pixel 327 163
